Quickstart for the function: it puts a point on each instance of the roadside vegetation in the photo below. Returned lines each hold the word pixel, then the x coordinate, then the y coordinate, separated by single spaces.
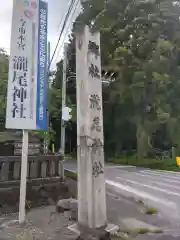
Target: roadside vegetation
pixel 167 164
pixel 140 52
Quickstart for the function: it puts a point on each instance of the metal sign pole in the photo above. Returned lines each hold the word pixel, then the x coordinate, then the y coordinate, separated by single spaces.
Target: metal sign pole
pixel 24 162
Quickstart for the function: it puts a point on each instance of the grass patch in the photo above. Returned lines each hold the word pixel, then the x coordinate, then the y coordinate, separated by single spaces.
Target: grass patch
pixel 157 231
pixel 150 210
pixel 68 155
pixel 70 174
pixel 72 155
pixel 131 234
pixel 147 230
pixel 166 164
pixel 142 230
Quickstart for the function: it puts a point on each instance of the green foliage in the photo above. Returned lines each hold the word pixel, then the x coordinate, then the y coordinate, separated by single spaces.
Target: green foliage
pixel 4 66
pixel 70 174
pixel 55 101
pixel 138 46
pixel 140 41
pixel 163 164
pixel 150 210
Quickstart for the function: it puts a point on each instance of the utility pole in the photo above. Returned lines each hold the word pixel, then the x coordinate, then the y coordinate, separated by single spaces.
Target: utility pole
pixel 62 148
pixel 47 111
pixel 49 60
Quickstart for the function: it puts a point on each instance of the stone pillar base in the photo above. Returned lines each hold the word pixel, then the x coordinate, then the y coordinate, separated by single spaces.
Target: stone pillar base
pixel 93 234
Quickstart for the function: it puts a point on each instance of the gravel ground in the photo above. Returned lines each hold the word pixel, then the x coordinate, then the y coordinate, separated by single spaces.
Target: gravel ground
pixel 42 224
pixel 45 223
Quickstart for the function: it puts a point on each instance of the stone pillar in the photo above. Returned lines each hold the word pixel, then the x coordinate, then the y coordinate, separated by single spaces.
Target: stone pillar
pixel 90 139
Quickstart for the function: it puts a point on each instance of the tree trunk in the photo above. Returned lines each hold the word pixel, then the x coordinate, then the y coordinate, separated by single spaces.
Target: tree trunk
pixel 143 139
pixel 117 148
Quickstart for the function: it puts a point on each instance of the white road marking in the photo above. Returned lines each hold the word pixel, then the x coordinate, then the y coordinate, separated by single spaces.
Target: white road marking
pixel 161 174
pixel 163 171
pixel 162 178
pixel 140 193
pixel 167 185
pixel 148 186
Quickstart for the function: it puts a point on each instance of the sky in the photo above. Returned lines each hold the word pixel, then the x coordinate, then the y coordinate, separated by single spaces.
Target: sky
pixel 56 14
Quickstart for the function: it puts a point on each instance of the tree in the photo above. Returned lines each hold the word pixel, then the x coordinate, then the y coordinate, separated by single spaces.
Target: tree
pixel 4 66
pixel 136 43
pixel 140 41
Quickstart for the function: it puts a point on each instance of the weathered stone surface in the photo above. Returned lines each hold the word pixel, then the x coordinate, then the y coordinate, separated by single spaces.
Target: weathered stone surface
pixel 41 224
pixel 67 205
pixel 72 186
pixel 74 211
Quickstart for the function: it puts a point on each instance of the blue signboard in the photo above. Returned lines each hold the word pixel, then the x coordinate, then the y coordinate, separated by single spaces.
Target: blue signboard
pixel 41 99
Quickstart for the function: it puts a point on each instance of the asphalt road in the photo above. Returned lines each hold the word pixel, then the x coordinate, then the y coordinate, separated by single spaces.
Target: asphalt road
pixel 160 189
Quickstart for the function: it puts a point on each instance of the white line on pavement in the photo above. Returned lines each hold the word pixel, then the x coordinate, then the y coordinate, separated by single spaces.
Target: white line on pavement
pixel 140 193
pixel 157 183
pixel 148 186
pixel 162 178
pixel 167 185
pixel 163 171
pixel 161 174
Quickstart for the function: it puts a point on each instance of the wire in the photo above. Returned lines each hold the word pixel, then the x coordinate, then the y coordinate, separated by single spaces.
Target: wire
pixel 70 23
pixel 63 27
pixel 62 30
pixel 61 19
